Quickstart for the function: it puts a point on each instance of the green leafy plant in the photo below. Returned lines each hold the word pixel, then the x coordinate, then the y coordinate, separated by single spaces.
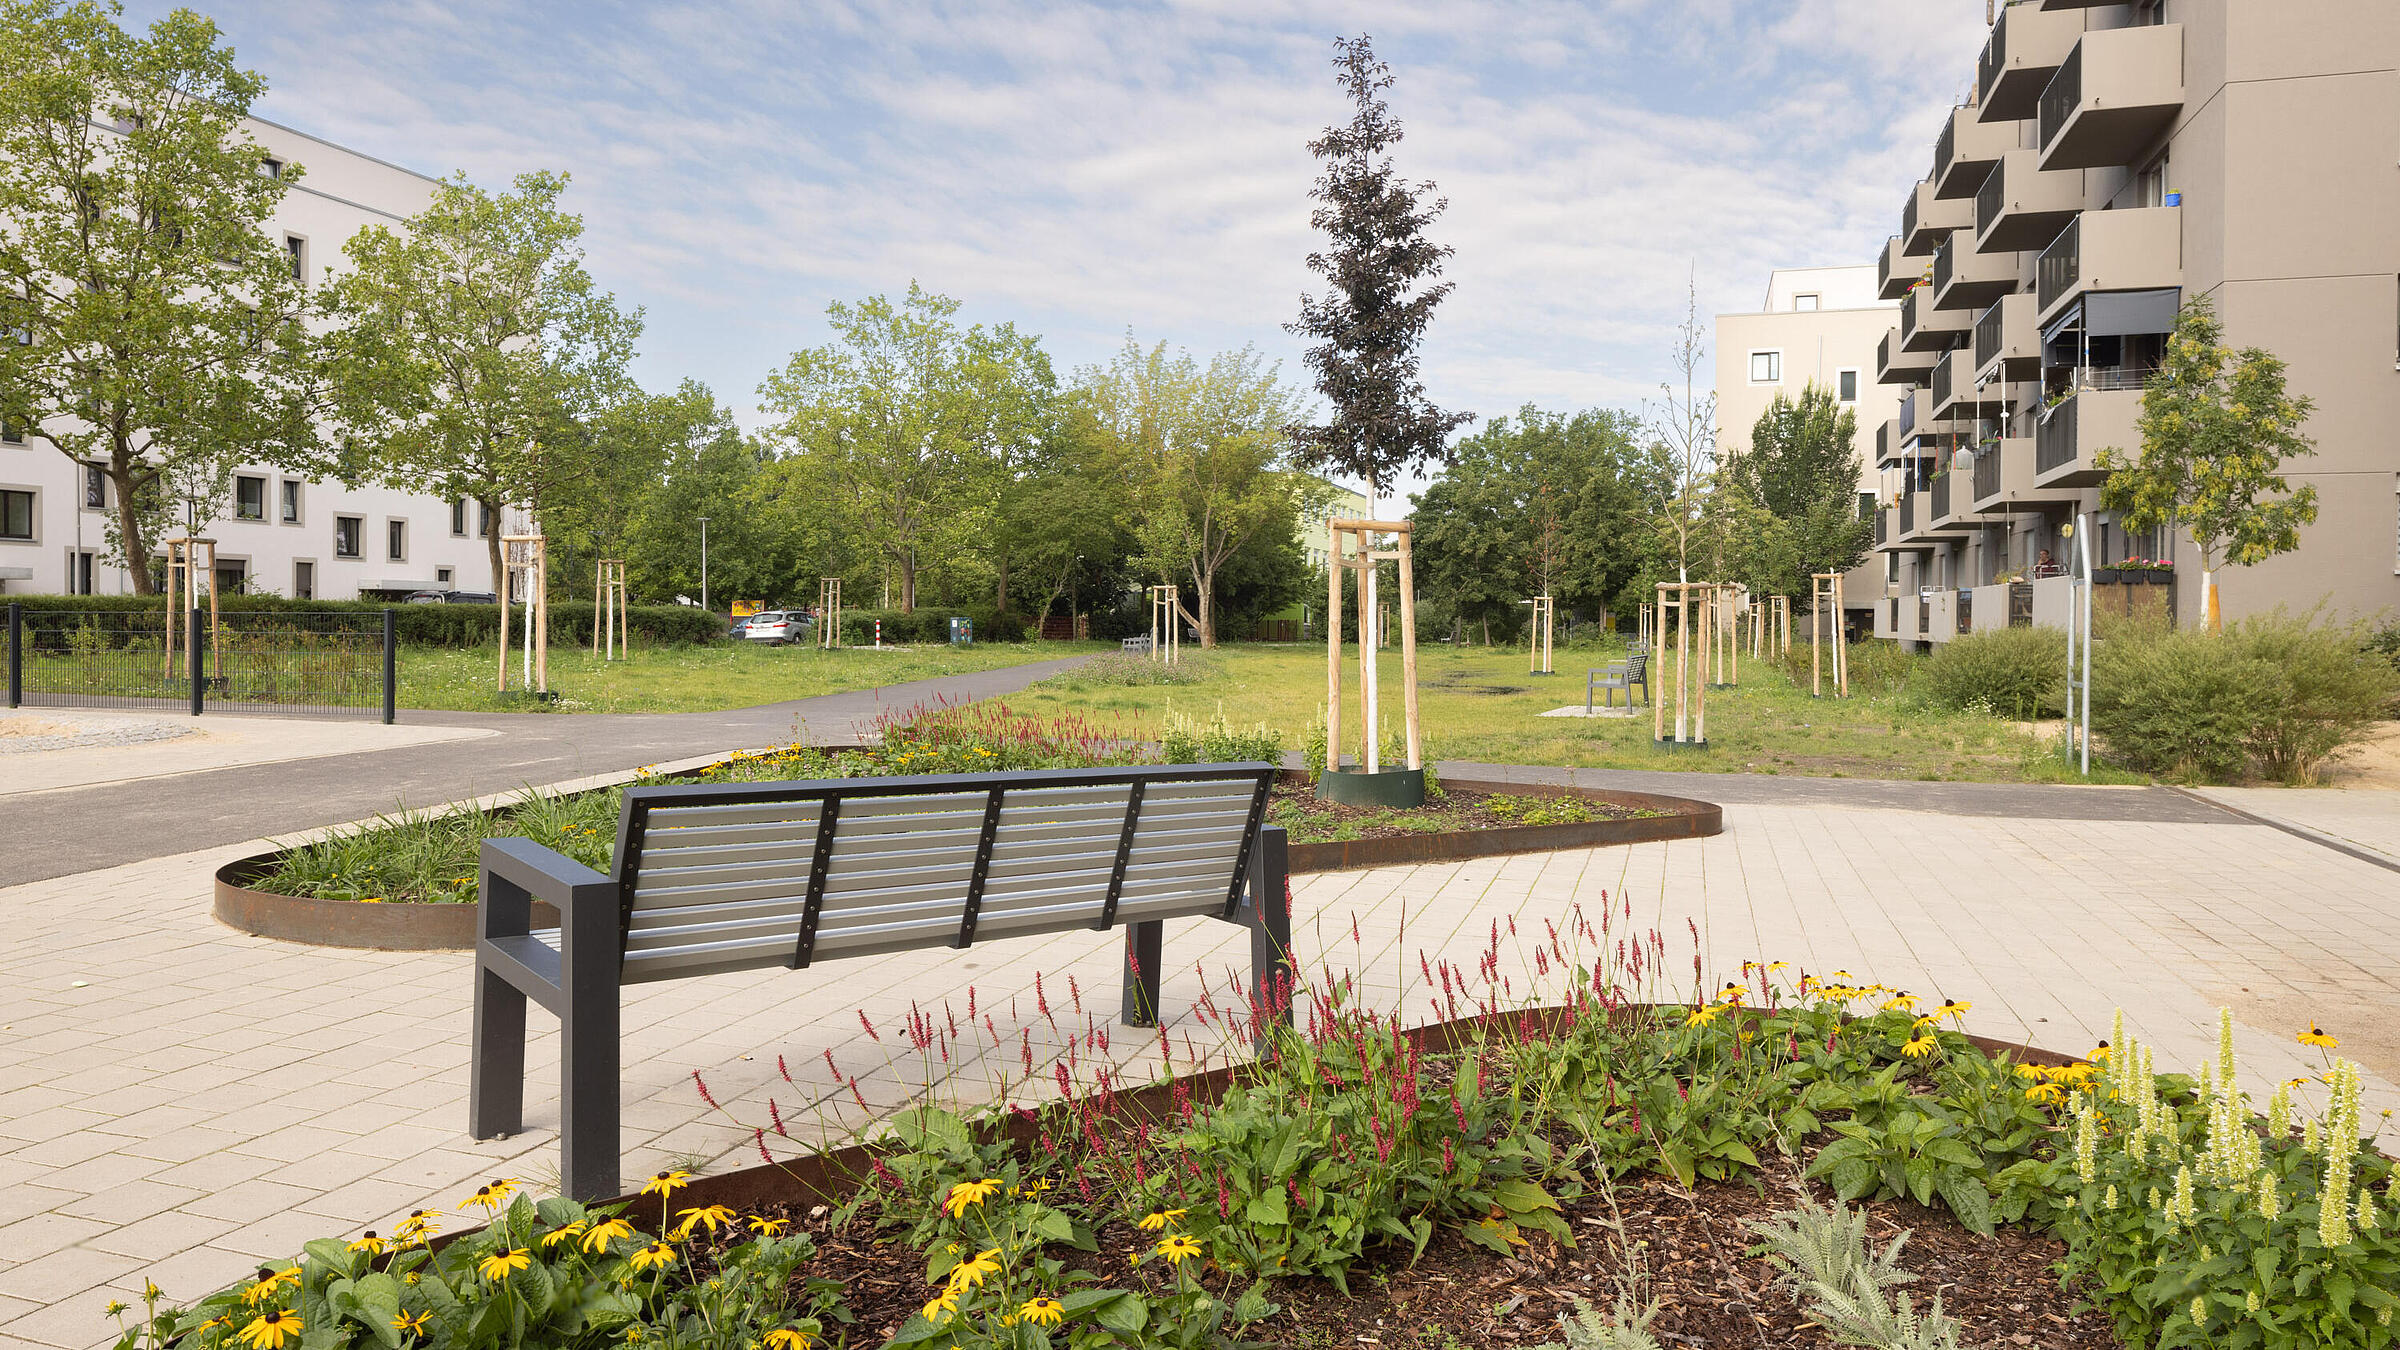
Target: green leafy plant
pixel 2016 672
pixel 1821 1254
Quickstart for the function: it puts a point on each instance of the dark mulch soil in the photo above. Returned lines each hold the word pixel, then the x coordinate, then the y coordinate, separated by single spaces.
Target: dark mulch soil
pixel 2001 1288
pixel 1310 820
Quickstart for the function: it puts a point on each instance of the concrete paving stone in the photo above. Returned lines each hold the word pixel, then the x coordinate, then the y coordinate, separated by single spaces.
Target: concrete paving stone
pixel 250 1200
pixel 66 1275
pixel 68 1150
pixel 128 1202
pixel 162 1235
pixel 69 1322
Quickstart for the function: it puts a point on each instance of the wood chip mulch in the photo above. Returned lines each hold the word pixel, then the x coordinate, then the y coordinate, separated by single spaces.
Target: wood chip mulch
pixel 2001 1289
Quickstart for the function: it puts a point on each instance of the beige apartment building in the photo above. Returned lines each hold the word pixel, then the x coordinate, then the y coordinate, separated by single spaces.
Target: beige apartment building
pixel 1820 326
pixel 2112 161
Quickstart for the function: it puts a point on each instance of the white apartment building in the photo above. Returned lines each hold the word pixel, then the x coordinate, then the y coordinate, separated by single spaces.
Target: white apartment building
pixel 275 532
pixel 1819 326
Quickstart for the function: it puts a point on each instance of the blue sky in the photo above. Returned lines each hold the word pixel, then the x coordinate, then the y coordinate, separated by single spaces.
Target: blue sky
pixel 1091 170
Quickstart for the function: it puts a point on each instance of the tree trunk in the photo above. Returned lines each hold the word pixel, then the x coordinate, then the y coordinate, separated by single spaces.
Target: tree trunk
pixel 129 524
pixel 908 581
pixel 491 543
pixel 1207 613
pixel 1000 598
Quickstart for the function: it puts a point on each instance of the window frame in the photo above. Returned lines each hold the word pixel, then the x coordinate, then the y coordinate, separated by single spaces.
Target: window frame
pixel 242 480
pixel 1815 305
pixel 33 514
pixel 458 517
pixel 358 538
pixel 304 578
pixel 1852 374
pixel 395 539
pixel 95 475
pixel 291 501
pixel 1774 357
pixel 297 246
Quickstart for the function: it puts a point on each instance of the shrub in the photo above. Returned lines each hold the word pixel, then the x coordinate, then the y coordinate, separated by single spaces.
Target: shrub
pixel 1217 741
pixel 1876 666
pixel 931 623
pixel 2280 691
pixel 2016 672
pixel 418 625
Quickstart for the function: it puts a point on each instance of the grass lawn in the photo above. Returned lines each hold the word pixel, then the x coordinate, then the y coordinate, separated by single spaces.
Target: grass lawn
pixel 1481 705
pixel 696 679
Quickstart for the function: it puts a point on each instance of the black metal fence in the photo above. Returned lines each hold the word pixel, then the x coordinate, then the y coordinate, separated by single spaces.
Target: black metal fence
pixel 249 662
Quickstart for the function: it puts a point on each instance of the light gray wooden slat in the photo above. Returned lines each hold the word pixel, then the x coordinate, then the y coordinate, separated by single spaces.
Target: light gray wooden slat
pixel 713 863
pixel 1171 905
pixel 670 897
pixel 684 962
pixel 863 809
pixel 749 813
pixel 1038 867
pixel 780 929
pixel 841 887
pixel 790 906
pixel 713 836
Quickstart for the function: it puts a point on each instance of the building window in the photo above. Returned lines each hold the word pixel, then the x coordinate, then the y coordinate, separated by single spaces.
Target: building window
pixel 11 432
pixel 458 517
pixel 79 577
pixel 298 248
pixel 395 540
pixel 1866 506
pixel 483 520
pixel 1804 303
pixel 291 501
pixel 16 514
pixel 95 486
pixel 270 168
pixel 1845 386
pixel 249 498
pixel 442 576
pixel 304 580
pixel 346 535
pixel 1766 367
pixel 232 577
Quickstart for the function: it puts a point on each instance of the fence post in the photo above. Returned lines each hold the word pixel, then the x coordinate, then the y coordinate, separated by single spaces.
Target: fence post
pixel 16 654
pixel 391 668
pixel 199 671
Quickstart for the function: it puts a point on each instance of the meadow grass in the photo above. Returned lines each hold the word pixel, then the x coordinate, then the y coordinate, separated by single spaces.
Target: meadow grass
pixel 1480 704
pixel 711 678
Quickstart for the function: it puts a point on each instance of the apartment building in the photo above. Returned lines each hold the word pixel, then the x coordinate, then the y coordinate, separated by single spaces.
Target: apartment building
pixel 2111 162
pixel 1820 326
pixel 275 531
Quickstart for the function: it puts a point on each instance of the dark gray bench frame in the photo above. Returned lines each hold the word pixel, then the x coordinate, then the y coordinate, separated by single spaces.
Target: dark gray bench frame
pixel 578 979
pixel 1625 674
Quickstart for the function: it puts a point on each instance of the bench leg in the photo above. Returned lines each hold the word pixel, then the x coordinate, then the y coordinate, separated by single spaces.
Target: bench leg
pixel 1272 970
pixel 496 1080
pixel 1145 945
pixel 587 1056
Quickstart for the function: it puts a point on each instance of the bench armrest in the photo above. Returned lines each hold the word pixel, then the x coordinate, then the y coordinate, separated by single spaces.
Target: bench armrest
pixel 518 871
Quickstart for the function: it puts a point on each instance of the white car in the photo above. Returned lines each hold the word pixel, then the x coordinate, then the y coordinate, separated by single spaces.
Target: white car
pixel 775 626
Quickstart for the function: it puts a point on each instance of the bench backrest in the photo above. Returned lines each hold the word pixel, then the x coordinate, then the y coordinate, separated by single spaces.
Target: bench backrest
pixel 737 876
pixel 1636 663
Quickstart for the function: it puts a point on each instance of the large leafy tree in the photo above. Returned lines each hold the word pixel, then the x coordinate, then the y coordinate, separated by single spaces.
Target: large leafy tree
pixel 1381 272
pixel 1801 470
pixel 2217 425
pixel 1201 448
pixel 476 354
pixel 1543 503
pixel 626 452
pixel 159 326
pixel 907 418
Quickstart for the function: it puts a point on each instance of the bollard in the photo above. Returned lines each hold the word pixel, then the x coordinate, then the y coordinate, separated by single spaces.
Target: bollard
pixel 391 668
pixel 198 667
pixel 16 654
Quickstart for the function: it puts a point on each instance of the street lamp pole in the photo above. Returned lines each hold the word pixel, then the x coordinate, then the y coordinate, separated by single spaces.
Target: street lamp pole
pixel 704 562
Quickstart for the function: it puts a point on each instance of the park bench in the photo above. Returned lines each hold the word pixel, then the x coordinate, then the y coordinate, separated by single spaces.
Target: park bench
pixel 721 877
pixel 1625 674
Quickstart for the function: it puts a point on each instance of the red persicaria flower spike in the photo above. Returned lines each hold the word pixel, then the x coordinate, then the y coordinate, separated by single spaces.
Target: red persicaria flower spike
pixel 702 1084
pixel 775 1113
pixel 759 1137
pixel 870 1026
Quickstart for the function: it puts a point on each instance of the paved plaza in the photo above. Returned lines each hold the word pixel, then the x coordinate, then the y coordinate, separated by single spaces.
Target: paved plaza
pixel 180 1101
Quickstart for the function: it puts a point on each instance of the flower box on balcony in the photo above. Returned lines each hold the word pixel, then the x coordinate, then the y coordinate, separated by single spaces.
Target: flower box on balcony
pixel 2104 576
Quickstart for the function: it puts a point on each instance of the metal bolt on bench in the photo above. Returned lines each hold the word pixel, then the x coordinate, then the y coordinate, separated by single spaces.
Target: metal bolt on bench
pixel 714 878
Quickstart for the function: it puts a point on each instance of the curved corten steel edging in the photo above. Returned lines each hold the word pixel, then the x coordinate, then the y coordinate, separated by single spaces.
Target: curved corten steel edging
pixel 451 927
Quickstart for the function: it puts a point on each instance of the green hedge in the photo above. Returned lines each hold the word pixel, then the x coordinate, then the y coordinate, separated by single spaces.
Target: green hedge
pixel 421 625
pixel 930 623
pixel 2010 672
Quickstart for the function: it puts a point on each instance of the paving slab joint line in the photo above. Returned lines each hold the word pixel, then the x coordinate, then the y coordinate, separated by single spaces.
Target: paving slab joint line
pixel 2317 837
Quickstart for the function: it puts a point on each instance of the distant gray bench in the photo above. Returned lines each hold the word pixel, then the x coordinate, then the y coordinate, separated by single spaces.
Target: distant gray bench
pixel 1625 674
pixel 722 877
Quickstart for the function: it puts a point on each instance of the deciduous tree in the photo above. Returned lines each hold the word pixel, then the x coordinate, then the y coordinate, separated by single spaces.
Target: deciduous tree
pixel 475 351
pixel 2217 425
pixel 159 328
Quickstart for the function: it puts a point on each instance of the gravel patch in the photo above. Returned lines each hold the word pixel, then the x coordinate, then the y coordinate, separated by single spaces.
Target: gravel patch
pixel 24 733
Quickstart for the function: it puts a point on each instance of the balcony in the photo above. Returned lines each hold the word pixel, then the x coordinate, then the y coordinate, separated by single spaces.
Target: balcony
pixel 1908 514
pixel 2023 206
pixel 2116 94
pixel 2026 48
pixel 2067 442
pixel 1953 391
pixel 1967 150
pixel 1895 271
pixel 1894 364
pixel 2004 475
pixel 1954 511
pixel 1966 279
pixel 2137 250
pixel 2007 344
pixel 1926 220
pixel 1926 329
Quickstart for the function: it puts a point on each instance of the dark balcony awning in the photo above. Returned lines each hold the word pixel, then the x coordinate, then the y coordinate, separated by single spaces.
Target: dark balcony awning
pixel 2118 313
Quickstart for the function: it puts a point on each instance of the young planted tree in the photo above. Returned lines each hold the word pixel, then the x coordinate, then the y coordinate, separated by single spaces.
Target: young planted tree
pixel 2216 426
pixel 476 353
pixel 1199 448
pixel 907 417
pixel 1683 426
pixel 159 327
pixel 1381 270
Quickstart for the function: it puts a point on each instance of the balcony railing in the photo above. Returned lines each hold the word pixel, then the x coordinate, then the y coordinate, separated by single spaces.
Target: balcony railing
pixel 2063 95
pixel 2055 271
pixel 2111 377
pixel 1987 471
pixel 1880 529
pixel 1945 378
pixel 1908 415
pixel 1944 146
pixel 1966 611
pixel 1908 217
pixel 1944 255
pixel 1883 442
pixel 1988 334
pixel 1995 56
pixel 1941 497
pixel 1908 514
pixel 2054 438
pixel 1990 199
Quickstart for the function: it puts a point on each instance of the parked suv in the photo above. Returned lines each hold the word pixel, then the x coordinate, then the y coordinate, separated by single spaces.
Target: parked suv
pixel 776 626
pixel 452 598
